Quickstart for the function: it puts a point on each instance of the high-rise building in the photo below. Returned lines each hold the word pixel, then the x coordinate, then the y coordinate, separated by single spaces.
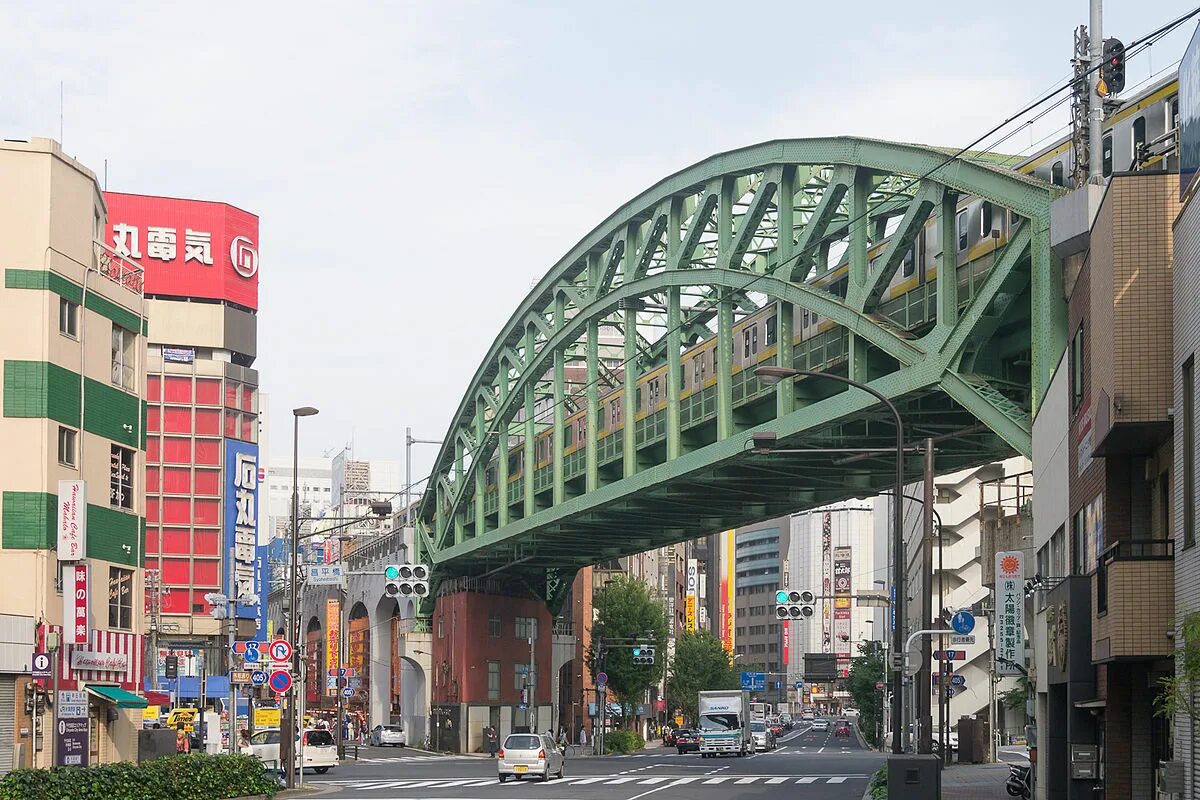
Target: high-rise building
pixel 72 343
pixel 203 464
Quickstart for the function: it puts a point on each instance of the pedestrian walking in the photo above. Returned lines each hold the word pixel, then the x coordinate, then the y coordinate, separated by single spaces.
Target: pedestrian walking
pixel 583 737
pixel 493 741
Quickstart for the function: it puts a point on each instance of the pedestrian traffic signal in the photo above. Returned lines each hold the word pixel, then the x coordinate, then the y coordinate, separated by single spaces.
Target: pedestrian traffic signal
pixel 643 656
pixel 171 666
pixel 794 604
pixel 1112 68
pixel 406 580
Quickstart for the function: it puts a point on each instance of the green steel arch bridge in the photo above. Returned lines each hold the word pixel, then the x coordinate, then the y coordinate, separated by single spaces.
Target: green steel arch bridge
pixel 624 385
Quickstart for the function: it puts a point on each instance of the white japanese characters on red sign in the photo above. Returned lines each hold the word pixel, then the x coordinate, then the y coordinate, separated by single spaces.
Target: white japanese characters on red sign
pixel 75 604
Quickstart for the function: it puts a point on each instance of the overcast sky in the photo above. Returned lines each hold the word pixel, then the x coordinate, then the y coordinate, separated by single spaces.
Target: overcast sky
pixel 418 166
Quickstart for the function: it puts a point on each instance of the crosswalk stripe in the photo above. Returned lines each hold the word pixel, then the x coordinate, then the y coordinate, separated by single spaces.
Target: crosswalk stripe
pixel 682 781
pixel 836 780
pixel 651 781
pixel 745 780
pixel 775 781
pixel 718 780
pixel 586 781
pixel 618 781
pixel 807 780
pixel 605 780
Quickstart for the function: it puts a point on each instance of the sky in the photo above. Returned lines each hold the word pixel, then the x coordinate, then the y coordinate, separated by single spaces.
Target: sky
pixel 417 167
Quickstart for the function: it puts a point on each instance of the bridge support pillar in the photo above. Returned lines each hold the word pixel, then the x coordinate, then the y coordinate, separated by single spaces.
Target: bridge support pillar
pixel 481 640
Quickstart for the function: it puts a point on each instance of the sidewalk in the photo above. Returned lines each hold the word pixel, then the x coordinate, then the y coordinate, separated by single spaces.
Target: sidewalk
pixel 975 781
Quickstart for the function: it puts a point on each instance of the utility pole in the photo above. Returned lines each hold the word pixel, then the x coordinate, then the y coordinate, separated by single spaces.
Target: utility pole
pixel 924 710
pixel 532 677
pixel 1096 103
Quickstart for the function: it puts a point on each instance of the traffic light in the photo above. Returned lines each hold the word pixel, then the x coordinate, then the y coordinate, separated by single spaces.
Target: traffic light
pixel 643 656
pixel 171 666
pixel 406 580
pixel 794 604
pixel 1112 68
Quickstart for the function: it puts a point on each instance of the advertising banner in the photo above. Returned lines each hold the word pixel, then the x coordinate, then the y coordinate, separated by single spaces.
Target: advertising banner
pixel 71 734
pixel 75 604
pixel 333 637
pixel 826 581
pixel 187 248
pixel 728 557
pixel 690 614
pixel 241 525
pixel 842 634
pixel 787 641
pixel 1010 608
pixel 72 520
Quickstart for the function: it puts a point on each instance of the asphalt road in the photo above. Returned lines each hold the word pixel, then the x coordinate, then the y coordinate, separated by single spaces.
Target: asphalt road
pixel 806 764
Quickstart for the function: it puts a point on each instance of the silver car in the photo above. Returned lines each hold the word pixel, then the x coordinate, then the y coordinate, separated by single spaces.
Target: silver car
pixel 529 754
pixel 391 735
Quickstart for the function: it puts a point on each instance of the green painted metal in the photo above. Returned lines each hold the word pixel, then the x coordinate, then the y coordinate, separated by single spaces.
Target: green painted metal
pixel 685 262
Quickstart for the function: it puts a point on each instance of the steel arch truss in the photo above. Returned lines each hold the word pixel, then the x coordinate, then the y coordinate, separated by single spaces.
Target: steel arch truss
pixel 685 263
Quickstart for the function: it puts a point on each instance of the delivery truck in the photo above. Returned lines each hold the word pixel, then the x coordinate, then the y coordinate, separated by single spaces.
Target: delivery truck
pixel 724 729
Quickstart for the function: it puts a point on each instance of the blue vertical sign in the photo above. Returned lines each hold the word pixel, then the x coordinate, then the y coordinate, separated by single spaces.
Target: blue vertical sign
pixel 241 526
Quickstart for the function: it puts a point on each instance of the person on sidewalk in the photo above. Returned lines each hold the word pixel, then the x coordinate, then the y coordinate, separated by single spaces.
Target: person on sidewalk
pixel 493 742
pixel 583 738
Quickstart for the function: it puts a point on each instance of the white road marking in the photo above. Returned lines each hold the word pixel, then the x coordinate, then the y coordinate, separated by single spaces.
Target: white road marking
pixel 775 781
pixel 745 780
pixel 836 780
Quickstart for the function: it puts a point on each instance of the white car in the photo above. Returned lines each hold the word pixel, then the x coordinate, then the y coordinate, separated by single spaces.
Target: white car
pixel 762 737
pixel 320 752
pixel 391 735
pixel 529 754
pixel 820 725
pixel 807 716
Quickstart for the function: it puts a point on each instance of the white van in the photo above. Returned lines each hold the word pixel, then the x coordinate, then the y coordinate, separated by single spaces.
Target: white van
pixel 320 751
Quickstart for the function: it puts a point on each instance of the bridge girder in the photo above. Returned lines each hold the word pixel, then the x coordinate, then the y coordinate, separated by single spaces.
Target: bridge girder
pixel 748 228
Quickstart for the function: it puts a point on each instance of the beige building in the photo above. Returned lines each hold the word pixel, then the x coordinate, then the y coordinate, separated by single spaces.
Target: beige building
pixel 72 322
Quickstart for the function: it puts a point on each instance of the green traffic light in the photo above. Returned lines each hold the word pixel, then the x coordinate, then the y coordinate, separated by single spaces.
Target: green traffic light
pixel 637 651
pixel 781 597
pixel 391 572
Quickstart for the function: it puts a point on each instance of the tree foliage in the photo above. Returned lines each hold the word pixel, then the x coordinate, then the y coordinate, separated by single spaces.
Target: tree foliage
pixel 701 664
pixel 626 610
pixel 1181 692
pixel 865 672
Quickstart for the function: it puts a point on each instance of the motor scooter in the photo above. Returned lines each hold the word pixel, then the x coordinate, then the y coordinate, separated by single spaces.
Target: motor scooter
pixel 1020 781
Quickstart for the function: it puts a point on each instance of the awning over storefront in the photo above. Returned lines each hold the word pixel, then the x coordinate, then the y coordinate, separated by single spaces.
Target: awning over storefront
pixel 1097 702
pixel 117 696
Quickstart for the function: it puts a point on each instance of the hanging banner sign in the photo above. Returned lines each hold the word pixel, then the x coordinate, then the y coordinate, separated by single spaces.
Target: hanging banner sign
pixel 1010 608
pixel 75 604
pixel 333 638
pixel 72 520
pixel 690 614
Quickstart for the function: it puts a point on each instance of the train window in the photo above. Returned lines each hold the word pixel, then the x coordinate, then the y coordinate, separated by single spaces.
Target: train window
pixel 985 220
pixel 1056 173
pixel 746 343
pixel 1173 114
pixel 772 334
pixel 637 397
pixel 805 324
pixel 489 477
pixel 569 436
pixel 696 372
pixel 960 221
pixel 613 410
pixel 1107 151
pixel 602 419
pixel 910 261
pixel 1139 136
pixel 754 340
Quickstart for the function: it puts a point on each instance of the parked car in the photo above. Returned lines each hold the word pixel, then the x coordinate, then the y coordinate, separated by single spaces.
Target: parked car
pixel 391 735
pixel 952 737
pixel 529 754
pixel 842 728
pixel 320 752
pixel 687 741
pixel 820 724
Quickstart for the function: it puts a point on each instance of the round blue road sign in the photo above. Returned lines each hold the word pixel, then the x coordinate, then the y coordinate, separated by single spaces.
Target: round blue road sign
pixel 963 622
pixel 251 655
pixel 280 681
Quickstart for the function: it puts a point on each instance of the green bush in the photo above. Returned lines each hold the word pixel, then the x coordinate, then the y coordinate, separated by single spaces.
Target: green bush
pixel 187 777
pixel 623 741
pixel 878 785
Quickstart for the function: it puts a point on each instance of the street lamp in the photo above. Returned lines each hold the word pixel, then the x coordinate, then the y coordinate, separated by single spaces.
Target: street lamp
pixel 287 742
pixel 773 374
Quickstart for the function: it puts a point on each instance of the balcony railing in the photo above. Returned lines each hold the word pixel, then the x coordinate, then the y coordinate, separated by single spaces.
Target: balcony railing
pixel 564 628
pixel 119 269
pixel 1128 550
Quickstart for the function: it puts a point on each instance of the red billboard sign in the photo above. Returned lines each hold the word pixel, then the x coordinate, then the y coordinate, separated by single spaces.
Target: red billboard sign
pixel 187 248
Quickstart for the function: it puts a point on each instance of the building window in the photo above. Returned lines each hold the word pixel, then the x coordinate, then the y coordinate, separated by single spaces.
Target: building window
pixel 1189 452
pixel 68 318
pixel 120 478
pixel 1077 368
pixel 1077 558
pixel 442 627
pixel 66 446
pixel 494 626
pixel 526 628
pixel 123 359
pixel 493 680
pixel 120 598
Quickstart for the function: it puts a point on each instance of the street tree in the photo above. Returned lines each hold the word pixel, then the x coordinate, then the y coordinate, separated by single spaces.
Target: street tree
pixel 628 611
pixel 701 663
pixel 867 671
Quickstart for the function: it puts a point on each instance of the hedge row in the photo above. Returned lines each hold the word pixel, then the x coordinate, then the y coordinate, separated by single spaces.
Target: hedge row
pixel 623 741
pixel 185 777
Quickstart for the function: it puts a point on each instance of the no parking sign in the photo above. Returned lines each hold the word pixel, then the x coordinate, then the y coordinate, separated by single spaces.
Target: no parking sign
pixel 280 681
